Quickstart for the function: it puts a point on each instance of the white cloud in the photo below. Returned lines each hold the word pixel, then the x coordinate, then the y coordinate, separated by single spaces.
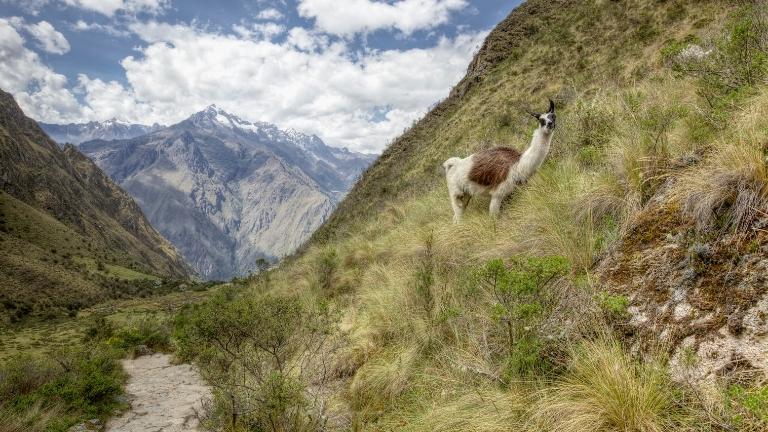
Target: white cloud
pixel 111 30
pixel 349 17
pixel 359 100
pixel 110 7
pixel 112 100
pixel 49 38
pixel 268 30
pixel 269 14
pixel 306 40
pixel 40 92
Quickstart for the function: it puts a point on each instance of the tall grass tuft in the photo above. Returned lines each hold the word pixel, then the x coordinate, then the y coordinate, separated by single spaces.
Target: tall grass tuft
pixel 604 390
pixel 730 190
pixel 484 410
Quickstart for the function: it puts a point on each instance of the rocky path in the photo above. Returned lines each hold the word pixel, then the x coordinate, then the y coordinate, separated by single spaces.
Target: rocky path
pixel 164 397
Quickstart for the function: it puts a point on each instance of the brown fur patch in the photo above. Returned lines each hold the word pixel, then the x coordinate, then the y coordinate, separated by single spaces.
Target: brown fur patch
pixel 490 167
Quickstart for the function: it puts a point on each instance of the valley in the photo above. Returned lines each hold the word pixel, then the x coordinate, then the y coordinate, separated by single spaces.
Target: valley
pixel 62 222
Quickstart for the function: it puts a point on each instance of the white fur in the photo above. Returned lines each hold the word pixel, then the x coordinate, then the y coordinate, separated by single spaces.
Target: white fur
pixel 462 189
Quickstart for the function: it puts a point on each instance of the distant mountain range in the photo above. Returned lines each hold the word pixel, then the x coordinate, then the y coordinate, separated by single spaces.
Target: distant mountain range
pixel 69 236
pixel 225 191
pixel 76 133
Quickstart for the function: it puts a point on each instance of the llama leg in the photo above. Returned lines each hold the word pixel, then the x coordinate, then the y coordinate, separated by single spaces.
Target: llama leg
pixel 457 201
pixel 495 205
pixel 465 200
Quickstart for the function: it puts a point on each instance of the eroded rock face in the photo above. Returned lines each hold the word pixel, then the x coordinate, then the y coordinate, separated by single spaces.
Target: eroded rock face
pixel 702 298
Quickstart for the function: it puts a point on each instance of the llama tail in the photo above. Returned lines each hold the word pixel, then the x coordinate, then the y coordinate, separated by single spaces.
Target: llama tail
pixel 450 163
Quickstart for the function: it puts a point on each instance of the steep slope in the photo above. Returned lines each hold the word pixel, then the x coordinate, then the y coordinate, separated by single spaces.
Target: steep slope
pixel 61 216
pixel 558 49
pixel 76 133
pixel 226 191
pixel 641 239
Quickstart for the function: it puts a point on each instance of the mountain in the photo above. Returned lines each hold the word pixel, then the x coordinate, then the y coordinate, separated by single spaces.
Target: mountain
pixel 624 286
pixel 226 191
pixel 76 133
pixel 69 236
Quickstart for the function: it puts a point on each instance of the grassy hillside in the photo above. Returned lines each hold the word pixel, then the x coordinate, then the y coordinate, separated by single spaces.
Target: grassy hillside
pixel 567 50
pixel 69 237
pixel 603 297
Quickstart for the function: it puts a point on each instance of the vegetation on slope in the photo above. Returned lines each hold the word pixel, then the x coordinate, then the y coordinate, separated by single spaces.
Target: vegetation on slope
pixel 392 318
pixel 60 372
pixel 69 237
pixel 508 324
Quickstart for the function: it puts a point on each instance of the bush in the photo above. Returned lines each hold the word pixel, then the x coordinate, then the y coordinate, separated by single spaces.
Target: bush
pixel 52 393
pixel 614 306
pixel 326 269
pixel 748 406
pixel 520 302
pixel 730 66
pixel 151 332
pixel 255 351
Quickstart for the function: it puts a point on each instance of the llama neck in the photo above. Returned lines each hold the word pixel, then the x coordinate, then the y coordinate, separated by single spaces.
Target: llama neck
pixel 534 155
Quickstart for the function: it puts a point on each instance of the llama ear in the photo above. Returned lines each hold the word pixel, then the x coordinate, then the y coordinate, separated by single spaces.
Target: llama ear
pixel 551 106
pixel 536 116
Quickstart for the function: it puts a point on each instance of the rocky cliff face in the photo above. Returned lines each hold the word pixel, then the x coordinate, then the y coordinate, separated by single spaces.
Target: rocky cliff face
pixel 76 133
pixel 226 191
pixel 693 296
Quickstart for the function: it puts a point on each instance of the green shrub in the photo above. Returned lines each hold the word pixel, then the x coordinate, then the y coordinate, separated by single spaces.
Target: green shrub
pixel 520 303
pixel 527 358
pixel 749 405
pixel 504 119
pixel 254 349
pixel 52 393
pixel 614 306
pixel 326 268
pixel 151 332
pixel 727 67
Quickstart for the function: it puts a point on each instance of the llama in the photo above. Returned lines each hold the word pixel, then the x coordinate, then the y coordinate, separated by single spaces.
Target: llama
pixel 497 171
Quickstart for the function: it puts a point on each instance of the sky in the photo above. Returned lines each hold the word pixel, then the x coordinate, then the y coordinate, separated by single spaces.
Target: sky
pixel 354 72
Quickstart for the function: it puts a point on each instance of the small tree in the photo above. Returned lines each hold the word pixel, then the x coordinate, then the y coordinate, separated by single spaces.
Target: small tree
pixel 326 269
pixel 262 265
pixel 520 300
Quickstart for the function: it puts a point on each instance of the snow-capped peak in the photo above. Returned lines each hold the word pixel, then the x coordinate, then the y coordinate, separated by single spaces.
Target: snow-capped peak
pixel 213 116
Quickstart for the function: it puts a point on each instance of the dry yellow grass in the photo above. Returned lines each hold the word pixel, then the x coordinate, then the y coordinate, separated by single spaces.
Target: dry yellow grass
pixel 605 390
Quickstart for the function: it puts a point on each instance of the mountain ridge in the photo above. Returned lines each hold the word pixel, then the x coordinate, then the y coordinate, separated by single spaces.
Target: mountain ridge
pixel 205 170
pixel 77 133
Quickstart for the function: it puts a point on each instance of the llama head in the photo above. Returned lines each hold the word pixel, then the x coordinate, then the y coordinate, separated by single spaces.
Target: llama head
pixel 548 119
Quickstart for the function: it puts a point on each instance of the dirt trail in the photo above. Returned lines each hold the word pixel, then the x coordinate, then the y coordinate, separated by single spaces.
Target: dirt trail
pixel 163 396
